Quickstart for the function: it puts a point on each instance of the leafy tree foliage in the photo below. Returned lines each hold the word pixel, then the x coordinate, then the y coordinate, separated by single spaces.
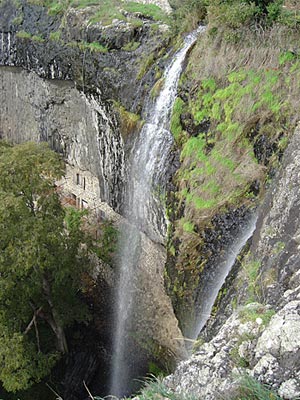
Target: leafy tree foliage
pixel 41 263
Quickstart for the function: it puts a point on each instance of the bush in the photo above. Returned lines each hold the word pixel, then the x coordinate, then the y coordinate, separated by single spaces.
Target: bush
pixel 232 15
pixel 188 14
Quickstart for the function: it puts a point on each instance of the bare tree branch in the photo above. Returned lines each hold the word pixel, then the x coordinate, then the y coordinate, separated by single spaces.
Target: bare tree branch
pixel 53 391
pixel 87 389
pixel 33 321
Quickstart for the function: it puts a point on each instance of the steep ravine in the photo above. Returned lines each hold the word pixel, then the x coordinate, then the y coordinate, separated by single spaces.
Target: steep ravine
pixel 88 105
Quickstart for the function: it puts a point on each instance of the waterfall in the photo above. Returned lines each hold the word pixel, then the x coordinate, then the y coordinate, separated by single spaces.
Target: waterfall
pixel 214 280
pixel 144 214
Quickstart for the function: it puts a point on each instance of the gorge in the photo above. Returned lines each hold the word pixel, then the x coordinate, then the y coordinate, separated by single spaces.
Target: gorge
pixel 187 151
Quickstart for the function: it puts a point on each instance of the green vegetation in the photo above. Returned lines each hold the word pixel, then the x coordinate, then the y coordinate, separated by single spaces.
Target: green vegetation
pixel 23 35
pixel 250 389
pixel 154 389
pixel 129 122
pixel 157 87
pixel 188 226
pixel 28 36
pixel 105 11
pixel 55 36
pixel 255 311
pixel 37 38
pixel 18 20
pixel 146 63
pixel 151 11
pixel 106 245
pixel 251 270
pixel 41 264
pixel 233 17
pixel 238 105
pixel 175 126
pixel 131 46
pixel 94 47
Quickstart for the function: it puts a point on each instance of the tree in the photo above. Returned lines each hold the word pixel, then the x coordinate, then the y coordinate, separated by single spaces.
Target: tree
pixel 42 260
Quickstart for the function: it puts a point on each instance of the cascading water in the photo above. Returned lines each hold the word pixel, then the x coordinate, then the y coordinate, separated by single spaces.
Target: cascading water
pixel 213 282
pixel 144 214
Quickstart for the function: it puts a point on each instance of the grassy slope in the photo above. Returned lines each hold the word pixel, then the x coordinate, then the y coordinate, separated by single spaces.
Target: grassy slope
pixel 104 10
pixel 241 90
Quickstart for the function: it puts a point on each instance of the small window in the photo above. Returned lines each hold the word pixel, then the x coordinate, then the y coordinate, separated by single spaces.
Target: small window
pixel 77 179
pixel 83 183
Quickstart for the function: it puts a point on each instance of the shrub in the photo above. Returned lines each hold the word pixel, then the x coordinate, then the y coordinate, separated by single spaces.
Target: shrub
pixel 188 14
pixel 232 15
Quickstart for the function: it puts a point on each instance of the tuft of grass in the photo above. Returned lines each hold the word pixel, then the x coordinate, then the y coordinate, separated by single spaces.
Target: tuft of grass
pixel 150 11
pixel 175 126
pixel 253 311
pixel 251 271
pixel 188 226
pixel 155 389
pixel 18 20
pixel 37 38
pixel 131 46
pixel 96 47
pixel 129 121
pixel 157 87
pixel 250 389
pixel 93 46
pixel 55 36
pixel 23 35
pixel 145 65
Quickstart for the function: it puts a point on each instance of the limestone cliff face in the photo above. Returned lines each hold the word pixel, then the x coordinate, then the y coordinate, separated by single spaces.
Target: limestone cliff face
pixel 260 340
pixel 79 126
pixel 59 89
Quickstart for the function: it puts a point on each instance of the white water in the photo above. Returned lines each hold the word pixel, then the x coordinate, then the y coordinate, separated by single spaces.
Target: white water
pixel 215 280
pixel 148 165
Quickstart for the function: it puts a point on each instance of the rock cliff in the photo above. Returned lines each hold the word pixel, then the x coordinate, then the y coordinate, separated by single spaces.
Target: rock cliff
pixel 80 84
pixel 80 81
pixel 260 339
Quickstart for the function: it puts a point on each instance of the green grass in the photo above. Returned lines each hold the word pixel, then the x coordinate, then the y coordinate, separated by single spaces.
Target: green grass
pixel 155 389
pixel 105 11
pixel 96 47
pixel 23 35
pixel 28 36
pixel 55 36
pixel 93 46
pixel 251 271
pixel 250 389
pixel 176 128
pixel 145 65
pixel 188 226
pixel 150 11
pixel 253 311
pixel 131 46
pixel 37 38
pixel 129 122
